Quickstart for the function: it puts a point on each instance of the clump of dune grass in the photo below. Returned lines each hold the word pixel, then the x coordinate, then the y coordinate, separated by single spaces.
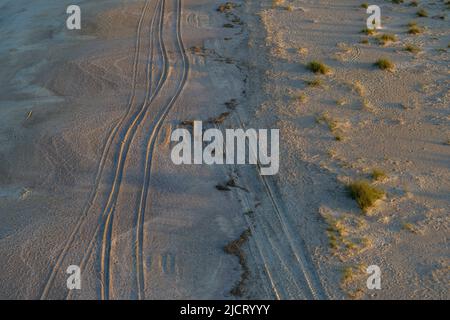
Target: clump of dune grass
pixel 314 82
pixel 341 102
pixel 378 174
pixel 341 239
pixel 367 105
pixel 351 272
pixel 318 67
pixel 226 7
pixel 289 8
pixel 336 232
pixel 276 3
pixel 302 51
pixel 387 38
pixel 365 194
pixel 414 28
pixel 302 98
pixel 359 88
pixel 422 13
pixel 325 118
pixel 368 31
pixel 410 227
pixel 412 48
pixel 351 280
pixel 347 275
pixel 385 64
pixel 332 124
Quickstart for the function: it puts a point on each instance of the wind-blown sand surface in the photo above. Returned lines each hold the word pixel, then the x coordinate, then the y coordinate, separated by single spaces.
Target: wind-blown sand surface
pixel 86 177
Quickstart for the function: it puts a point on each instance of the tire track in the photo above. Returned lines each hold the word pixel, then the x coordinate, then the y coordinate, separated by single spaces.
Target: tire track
pixel 149 157
pixel 314 285
pixel 149 96
pixel 293 245
pixel 105 224
pixel 103 158
pixel 109 210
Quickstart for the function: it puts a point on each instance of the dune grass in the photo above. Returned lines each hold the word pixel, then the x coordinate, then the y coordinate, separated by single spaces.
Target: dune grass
pixel 387 38
pixel 414 28
pixel 385 64
pixel 314 82
pixel 318 67
pixel 368 31
pixel 378 174
pixel 422 13
pixel 365 194
pixel 412 48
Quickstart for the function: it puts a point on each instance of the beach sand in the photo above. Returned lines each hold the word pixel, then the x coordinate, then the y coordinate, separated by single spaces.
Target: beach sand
pixel 86 177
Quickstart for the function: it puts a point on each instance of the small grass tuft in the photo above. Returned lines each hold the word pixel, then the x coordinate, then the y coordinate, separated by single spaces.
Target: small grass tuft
pixel 341 102
pixel 314 82
pixel 378 175
pixel 387 38
pixel 422 13
pixel 369 32
pixel 410 227
pixel 318 67
pixel 414 29
pixel 385 64
pixel 302 98
pixel 412 48
pixel 365 194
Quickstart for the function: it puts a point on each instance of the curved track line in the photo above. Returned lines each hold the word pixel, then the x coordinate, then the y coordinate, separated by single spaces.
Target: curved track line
pixel 87 255
pixel 315 295
pixel 276 291
pixel 112 200
pixel 149 157
pixel 101 165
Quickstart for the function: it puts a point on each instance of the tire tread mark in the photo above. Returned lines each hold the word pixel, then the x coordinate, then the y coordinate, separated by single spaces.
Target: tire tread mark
pixel 102 162
pixel 149 156
pixel 301 261
pixel 102 224
pixel 109 210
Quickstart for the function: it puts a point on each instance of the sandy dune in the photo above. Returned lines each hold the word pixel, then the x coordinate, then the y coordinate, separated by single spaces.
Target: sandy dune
pixel 86 177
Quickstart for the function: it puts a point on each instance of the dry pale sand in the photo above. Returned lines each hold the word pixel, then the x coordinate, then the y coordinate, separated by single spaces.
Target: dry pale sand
pixel 86 177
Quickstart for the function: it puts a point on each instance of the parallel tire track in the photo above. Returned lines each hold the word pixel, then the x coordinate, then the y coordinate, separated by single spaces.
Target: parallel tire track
pixel 91 245
pixel 104 273
pixel 314 285
pixel 109 210
pixel 103 158
pixel 135 123
pixel 149 157
pixel 101 224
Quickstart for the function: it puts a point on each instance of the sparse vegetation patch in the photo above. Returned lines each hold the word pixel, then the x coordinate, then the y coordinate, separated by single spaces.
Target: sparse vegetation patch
pixel 385 64
pixel 365 194
pixel 318 67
